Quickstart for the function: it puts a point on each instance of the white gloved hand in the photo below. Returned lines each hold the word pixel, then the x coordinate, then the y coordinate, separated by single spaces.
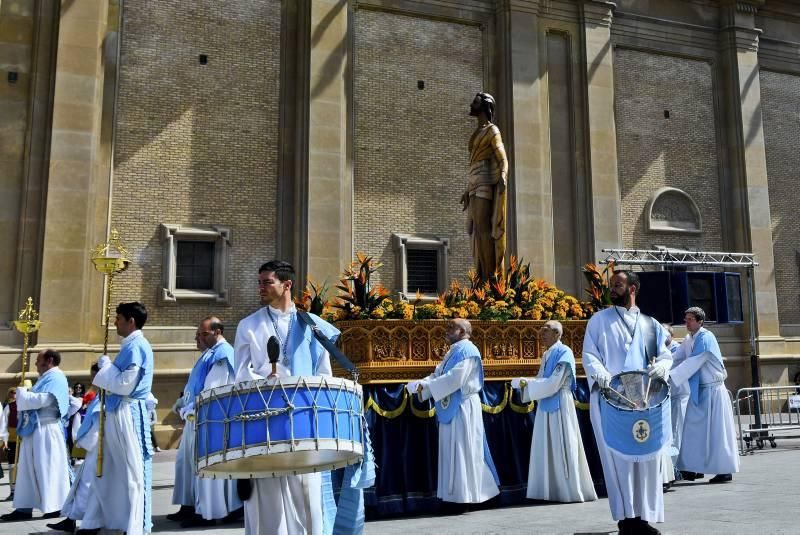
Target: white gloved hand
pixel 516 382
pixel 103 361
pixel 22 389
pixel 187 411
pixel 603 380
pixel 411 387
pixel 659 369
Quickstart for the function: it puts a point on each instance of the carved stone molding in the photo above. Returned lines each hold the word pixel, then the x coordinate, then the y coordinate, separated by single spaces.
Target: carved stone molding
pixel 673 210
pixel 598 12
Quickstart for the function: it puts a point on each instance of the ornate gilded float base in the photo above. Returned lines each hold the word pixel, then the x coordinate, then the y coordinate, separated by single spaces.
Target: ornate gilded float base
pixel 391 351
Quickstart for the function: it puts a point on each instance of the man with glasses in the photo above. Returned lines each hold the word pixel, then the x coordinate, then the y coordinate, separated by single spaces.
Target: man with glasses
pixel 203 501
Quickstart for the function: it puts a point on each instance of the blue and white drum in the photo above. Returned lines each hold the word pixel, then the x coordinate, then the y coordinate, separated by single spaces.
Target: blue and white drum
pixel 636 415
pixel 276 427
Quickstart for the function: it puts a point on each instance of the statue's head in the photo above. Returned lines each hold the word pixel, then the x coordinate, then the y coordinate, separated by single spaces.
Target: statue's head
pixel 482 103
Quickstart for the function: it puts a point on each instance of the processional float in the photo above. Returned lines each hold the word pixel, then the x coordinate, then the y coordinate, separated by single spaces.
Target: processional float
pixel 27 323
pixel 109 258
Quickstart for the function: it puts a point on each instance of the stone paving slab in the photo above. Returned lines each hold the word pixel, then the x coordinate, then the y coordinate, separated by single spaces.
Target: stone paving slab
pixel 763 499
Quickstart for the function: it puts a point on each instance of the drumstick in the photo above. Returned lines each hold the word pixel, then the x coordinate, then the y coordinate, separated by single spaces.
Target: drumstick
pixel 649 380
pixel 623 398
pixel 273 353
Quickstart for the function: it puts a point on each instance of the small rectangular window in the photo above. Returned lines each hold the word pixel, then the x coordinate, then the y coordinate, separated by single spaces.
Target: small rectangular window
pixel 421 265
pixel 195 263
pixel 195 266
pixel 422 269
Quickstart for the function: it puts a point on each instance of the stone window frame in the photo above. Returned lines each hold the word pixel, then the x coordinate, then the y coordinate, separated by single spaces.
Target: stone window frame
pixel 677 229
pixel 172 234
pixel 402 243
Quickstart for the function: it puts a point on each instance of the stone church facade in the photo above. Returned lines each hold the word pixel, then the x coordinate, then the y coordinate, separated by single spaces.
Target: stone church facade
pixel 217 135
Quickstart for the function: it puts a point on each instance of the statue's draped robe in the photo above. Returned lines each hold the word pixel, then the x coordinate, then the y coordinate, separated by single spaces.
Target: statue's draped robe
pixel 486 199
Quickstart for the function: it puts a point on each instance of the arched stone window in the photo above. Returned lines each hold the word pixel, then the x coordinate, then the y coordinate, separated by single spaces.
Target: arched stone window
pixel 673 210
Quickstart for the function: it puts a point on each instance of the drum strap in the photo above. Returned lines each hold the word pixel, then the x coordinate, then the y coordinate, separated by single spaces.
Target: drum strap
pixel 340 357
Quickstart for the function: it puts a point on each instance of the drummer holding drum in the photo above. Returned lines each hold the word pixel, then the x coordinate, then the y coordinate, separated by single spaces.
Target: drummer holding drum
pixel 293 501
pixel 625 356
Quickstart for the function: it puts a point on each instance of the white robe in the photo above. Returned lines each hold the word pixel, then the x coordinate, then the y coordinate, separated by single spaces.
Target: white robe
pixel 286 505
pixel 214 498
pixel 558 470
pixel 116 500
pixel 43 469
pixel 78 498
pixel 463 476
pixel 634 489
pixel 709 435
pixel 184 492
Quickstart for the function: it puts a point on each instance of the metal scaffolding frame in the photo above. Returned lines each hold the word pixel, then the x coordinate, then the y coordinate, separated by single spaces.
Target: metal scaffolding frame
pixel 667 258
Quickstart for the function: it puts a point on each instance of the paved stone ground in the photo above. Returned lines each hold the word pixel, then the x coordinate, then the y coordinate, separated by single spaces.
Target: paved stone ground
pixel 763 499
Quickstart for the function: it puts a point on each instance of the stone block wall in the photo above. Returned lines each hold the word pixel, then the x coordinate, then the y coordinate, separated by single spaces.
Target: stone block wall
pixel 780 97
pixel 656 152
pixel 410 144
pixel 16 49
pixel 197 145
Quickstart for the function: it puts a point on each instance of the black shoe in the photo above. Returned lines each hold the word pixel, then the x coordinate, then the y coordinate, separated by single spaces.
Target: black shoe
pixel 689 476
pixel 721 478
pixel 641 527
pixel 54 514
pixel 668 486
pixel 234 516
pixel 184 513
pixel 16 515
pixel 197 521
pixel 87 531
pixel 67 525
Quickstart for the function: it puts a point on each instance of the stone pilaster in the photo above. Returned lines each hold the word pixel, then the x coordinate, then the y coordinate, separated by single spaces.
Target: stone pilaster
pixel 748 195
pixel 330 178
pixel 77 191
pixel 601 130
pixel 531 189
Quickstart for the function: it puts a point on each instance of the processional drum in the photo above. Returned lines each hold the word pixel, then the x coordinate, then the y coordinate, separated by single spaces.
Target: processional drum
pixel 276 427
pixel 636 415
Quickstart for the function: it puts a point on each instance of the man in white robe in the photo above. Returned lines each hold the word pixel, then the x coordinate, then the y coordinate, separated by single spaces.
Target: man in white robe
pixel 184 490
pixel 679 398
pixel 285 505
pixel 212 499
pixel 558 470
pixel 86 436
pixel 709 434
pixel 617 340
pixel 43 470
pixel 466 471
pixel 121 498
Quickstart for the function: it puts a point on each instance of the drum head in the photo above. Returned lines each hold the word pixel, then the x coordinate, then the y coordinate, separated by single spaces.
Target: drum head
pixel 636 390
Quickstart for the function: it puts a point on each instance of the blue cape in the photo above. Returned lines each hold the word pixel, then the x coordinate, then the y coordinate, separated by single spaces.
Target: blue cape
pixel 559 354
pixel 52 382
pixel 197 378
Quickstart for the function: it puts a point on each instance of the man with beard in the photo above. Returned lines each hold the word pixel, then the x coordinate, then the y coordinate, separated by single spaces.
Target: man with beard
pixel 466 470
pixel 620 339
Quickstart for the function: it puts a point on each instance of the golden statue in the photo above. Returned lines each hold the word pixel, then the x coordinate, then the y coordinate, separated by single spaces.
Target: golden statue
pixel 485 198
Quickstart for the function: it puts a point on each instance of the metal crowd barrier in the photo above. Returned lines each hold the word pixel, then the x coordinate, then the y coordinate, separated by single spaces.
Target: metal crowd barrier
pixel 766 414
